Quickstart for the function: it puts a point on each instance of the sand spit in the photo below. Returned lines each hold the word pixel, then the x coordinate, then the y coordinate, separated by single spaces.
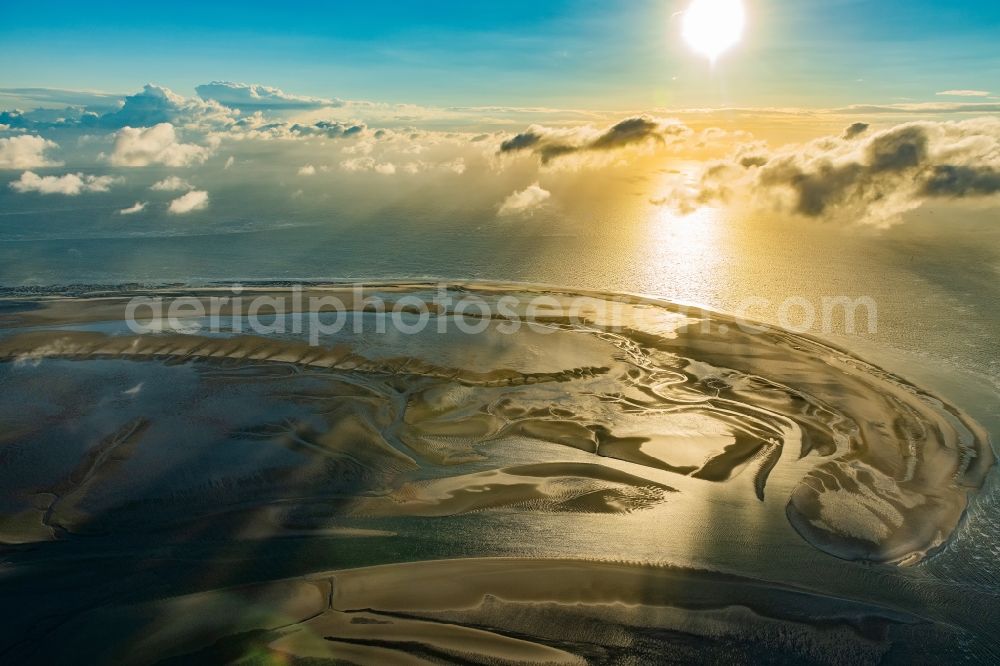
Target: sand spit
pixel 499 611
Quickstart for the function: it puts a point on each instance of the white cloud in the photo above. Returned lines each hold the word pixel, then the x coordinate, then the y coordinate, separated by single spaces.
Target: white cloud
pixel 26 152
pixel 137 207
pixel 253 95
pixel 307 170
pixel 171 184
pixel 70 184
pixel 525 200
pixel 230 162
pixel 142 146
pixel 964 93
pixel 368 164
pixel 186 203
pixel 155 105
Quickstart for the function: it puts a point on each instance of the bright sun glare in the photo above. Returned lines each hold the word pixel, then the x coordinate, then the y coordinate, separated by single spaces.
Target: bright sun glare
pixel 713 26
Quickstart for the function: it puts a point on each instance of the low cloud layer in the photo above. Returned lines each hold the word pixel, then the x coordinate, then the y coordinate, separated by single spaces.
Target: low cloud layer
pixel 313 153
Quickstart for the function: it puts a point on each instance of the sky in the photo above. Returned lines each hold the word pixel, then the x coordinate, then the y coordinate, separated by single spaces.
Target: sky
pixel 560 53
pixel 548 119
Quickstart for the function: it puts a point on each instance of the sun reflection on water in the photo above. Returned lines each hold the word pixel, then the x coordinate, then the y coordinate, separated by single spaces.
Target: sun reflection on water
pixel 686 253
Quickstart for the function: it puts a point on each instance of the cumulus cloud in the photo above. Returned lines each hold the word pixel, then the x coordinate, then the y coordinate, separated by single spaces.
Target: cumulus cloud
pixel 964 93
pixel 142 146
pixel 874 180
pixel 550 144
pixel 949 180
pixel 256 96
pixel 307 170
pixel 155 104
pixel 171 184
pixel 40 119
pixel 525 200
pixel 456 166
pixel 229 163
pixel 137 207
pixel 329 129
pixel 186 203
pixel 368 164
pixel 26 152
pixel 152 105
pixel 855 129
pixel 70 184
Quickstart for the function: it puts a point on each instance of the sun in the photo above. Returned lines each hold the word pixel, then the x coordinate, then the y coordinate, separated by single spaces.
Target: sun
pixel 710 27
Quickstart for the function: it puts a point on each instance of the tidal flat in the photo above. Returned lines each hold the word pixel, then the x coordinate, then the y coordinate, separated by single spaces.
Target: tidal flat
pixel 627 478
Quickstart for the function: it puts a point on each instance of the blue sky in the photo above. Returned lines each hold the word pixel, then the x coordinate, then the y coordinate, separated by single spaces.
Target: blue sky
pixel 578 53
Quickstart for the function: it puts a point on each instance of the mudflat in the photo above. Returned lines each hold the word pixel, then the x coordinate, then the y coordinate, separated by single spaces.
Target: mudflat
pixel 626 475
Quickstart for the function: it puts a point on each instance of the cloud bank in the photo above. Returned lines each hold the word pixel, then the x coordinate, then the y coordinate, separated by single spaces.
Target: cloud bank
pixel 872 181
